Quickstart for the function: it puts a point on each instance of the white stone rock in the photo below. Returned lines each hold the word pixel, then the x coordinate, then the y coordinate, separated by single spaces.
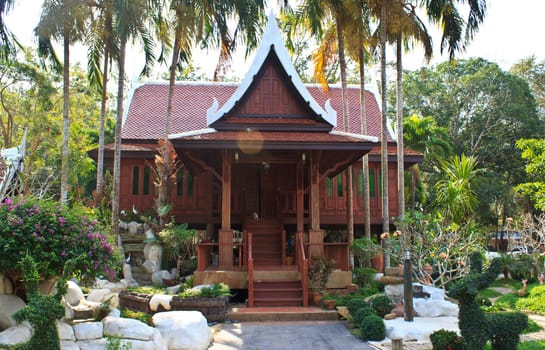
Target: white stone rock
pixel 128 279
pixel 96 344
pixel 88 330
pixel 104 296
pixel 9 304
pixel 183 330
pixel 174 289
pixel 434 308
pixel 114 313
pixel 15 335
pixel 153 252
pixel 160 299
pixel 133 227
pixel 65 331
pixel 158 276
pixel 149 234
pixel 127 328
pixel 435 293
pixel 150 266
pixel 69 345
pixel 123 225
pixel 74 294
pixel 113 286
pixel 6 287
pixel 142 345
pixel 420 329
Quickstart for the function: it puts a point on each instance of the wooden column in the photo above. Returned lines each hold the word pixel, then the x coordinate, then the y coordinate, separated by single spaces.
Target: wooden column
pixel 226 233
pixel 300 198
pixel 315 235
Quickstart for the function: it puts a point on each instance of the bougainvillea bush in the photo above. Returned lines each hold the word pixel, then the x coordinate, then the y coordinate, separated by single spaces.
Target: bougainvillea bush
pixel 53 234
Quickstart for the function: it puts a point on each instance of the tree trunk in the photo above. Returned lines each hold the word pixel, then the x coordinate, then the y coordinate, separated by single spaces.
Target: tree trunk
pixel 119 120
pixel 100 160
pixel 384 131
pixel 66 106
pixel 365 159
pixel 399 118
pixel 346 121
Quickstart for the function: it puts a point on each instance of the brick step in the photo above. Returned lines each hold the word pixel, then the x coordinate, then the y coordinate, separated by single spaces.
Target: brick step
pixel 283 314
pixel 277 302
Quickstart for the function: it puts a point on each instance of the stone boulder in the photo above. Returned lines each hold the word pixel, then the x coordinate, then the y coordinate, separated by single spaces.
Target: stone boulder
pixel 435 308
pixel 183 330
pixel 16 335
pixel 9 304
pixel 104 296
pixel 160 299
pixel 74 294
pixel 158 276
pixel 65 331
pixel 127 328
pixel 88 330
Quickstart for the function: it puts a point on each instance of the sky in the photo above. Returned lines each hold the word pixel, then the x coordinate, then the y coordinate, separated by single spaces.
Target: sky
pixel 509 33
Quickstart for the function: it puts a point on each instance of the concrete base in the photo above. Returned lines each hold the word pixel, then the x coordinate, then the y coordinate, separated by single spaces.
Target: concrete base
pixel 239 279
pixel 284 314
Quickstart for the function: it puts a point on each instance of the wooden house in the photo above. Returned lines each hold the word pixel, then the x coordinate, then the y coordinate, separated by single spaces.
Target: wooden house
pixel 264 172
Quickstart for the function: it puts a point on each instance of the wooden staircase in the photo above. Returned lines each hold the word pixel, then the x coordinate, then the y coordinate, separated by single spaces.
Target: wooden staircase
pixel 267 241
pixel 270 283
pixel 273 293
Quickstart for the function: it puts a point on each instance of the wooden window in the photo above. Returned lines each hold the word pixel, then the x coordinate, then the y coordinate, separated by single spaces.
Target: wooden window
pixel 372 183
pixel 190 185
pixel 180 183
pixel 135 179
pixel 340 190
pixel 329 186
pixel 359 179
pixel 147 181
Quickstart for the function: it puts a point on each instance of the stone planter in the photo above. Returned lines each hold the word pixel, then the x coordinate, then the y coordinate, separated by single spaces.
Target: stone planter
pixel 214 309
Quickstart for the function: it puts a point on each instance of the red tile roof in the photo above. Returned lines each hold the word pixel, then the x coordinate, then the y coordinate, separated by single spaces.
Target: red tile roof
pixel 146 112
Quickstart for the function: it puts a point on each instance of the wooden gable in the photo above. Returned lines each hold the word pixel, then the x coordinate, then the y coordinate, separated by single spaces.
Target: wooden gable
pixel 272 103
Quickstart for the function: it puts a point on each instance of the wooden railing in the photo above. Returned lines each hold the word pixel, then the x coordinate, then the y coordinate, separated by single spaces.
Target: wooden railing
pixel 250 272
pixel 302 262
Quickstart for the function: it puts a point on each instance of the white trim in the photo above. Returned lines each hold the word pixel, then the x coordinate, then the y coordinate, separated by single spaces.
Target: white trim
pixel 356 136
pixel 191 133
pixel 272 40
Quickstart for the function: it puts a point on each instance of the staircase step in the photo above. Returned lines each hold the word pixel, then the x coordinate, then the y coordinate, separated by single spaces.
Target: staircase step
pixel 284 314
pixel 277 302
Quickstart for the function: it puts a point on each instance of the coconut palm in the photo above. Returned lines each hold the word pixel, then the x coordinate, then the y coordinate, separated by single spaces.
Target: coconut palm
pixel 69 29
pixel 6 45
pixel 456 33
pixel 316 14
pixel 132 20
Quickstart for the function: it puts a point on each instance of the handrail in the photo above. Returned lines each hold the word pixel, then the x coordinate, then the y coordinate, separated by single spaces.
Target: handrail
pixel 303 267
pixel 250 272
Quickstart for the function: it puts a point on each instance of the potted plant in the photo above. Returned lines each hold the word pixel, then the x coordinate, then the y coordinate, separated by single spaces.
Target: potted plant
pixel 367 253
pixel 318 274
pixel 329 301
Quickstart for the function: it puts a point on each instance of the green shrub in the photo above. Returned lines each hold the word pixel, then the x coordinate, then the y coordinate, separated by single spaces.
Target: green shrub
pixel 535 301
pixel 505 329
pixel 446 340
pixel 507 301
pixel 382 305
pixel 372 327
pixel 137 315
pixel 354 305
pixel 362 313
pixel 216 290
pixel 364 276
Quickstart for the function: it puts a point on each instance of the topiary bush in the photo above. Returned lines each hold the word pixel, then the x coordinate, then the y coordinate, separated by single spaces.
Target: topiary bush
pixel 382 305
pixel 361 313
pixel 446 340
pixel 353 305
pixel 505 329
pixel 372 327
pixel 364 277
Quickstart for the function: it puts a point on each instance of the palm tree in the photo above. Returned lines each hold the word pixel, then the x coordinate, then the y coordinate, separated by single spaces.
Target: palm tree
pixel 455 195
pixel 6 45
pixel 130 18
pixel 423 135
pixel 316 14
pixel 70 29
pixel 101 44
pixel 456 32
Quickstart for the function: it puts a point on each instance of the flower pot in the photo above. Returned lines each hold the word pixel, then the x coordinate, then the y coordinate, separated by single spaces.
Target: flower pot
pixel 378 262
pixel 289 260
pixel 329 304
